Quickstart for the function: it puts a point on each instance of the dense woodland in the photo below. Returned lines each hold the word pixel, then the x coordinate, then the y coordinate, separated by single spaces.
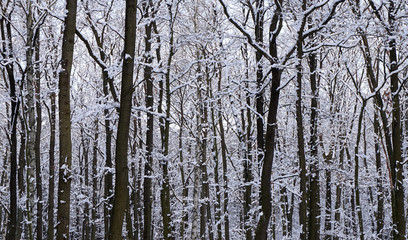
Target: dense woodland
pixel 203 119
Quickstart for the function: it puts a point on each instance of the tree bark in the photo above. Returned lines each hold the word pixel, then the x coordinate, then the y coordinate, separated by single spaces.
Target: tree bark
pixel 397 189
pixel 300 130
pixel 64 184
pixel 121 168
pixel 51 178
pixel 314 175
pixel 38 174
pixel 356 172
pixel 147 186
pixel 7 52
pixel 94 180
pixel 265 195
pixel 31 126
pixel 380 192
pixel 259 27
pixel 165 127
pixel 224 161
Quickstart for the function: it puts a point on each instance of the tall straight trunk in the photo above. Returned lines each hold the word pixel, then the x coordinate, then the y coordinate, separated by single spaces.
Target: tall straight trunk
pixel 20 177
pixel 356 173
pixel 139 179
pixel 79 210
pixel 314 179
pixel 397 189
pixel 195 214
pixel 205 208
pixel 3 213
pixel 39 227
pixel 215 154
pixel 31 126
pixel 165 128
pixel 147 186
pixel 51 178
pixel 248 155
pixel 7 53
pixel 259 27
pixel 94 175
pixel 85 189
pixel 184 222
pixel 328 207
pixel 108 182
pixel 64 183
pixel 135 199
pixel 339 195
pixel 121 168
pixel 224 161
pixel 216 178
pixel 380 197
pixel 300 130
pixel 367 170
pixel 137 175
pixel 12 222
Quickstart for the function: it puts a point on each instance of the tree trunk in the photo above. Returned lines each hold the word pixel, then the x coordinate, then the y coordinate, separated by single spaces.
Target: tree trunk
pixel 31 126
pixel 339 196
pixel 94 180
pixel 64 184
pixel 85 189
pixel 300 130
pixel 184 222
pixel 165 129
pixel 380 194
pixel 205 208
pixel 265 195
pixel 314 179
pixel 20 178
pixel 38 123
pixel 147 187
pixel 248 155
pixel 121 168
pixel 7 53
pixel 51 179
pixel 259 26
pixel 397 188
pixel 356 175
pixel 224 161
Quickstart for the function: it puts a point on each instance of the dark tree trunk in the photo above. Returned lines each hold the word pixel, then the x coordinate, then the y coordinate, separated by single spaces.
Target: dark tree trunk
pixel 314 179
pixel 94 180
pixel 380 192
pixel 147 187
pixel 259 27
pixel 300 130
pixel 356 172
pixel 7 53
pixel 51 179
pixel 397 189
pixel 38 174
pixel 121 196
pixel 64 184
pixel 265 195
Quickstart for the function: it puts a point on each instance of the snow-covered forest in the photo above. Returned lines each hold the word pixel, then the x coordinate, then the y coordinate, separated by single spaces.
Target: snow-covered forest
pixel 203 119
